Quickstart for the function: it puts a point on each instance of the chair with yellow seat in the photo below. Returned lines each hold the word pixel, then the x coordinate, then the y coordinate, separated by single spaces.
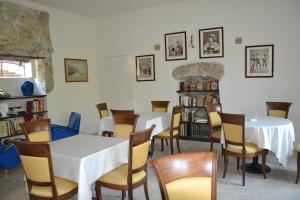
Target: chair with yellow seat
pixel 160 106
pixel 278 109
pixel 113 112
pixel 134 173
pixel 215 123
pixel 124 124
pixel 191 176
pixel 37 130
pixel 235 145
pixel 103 112
pixel 298 163
pixel 172 132
pixel 41 182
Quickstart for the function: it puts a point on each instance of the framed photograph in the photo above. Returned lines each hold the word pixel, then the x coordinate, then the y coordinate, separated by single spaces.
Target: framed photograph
pixel 259 61
pixel 145 68
pixel 76 70
pixel 175 46
pixel 211 43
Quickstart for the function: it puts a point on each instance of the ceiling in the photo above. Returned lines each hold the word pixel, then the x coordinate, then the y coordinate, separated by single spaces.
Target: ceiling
pixel 101 8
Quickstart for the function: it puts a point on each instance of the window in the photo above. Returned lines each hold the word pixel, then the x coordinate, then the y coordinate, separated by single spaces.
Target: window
pixel 15 69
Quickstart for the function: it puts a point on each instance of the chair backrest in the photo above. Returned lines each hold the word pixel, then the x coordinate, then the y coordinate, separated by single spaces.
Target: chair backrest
pixel 190 176
pixel 214 118
pixel 160 106
pixel 278 109
pixel 175 120
pixel 124 124
pixel 234 129
pixel 102 109
pixel 113 112
pixel 139 143
pixel 37 165
pixel 74 121
pixel 37 130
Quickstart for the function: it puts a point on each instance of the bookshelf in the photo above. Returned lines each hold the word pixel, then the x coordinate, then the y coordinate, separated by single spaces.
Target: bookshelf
pixel 21 109
pixel 194 94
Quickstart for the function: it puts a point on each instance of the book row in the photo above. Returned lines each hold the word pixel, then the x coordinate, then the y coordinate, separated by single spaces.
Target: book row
pixel 198 101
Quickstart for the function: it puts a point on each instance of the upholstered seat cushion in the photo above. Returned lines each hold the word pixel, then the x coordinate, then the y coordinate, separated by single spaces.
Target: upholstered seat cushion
pixel 193 188
pixel 160 109
pixel 62 186
pixel 39 136
pixel 119 176
pixel 216 135
pixel 277 113
pixel 166 134
pixel 298 147
pixel 250 148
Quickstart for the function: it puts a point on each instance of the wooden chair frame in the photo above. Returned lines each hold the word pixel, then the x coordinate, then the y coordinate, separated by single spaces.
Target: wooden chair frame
pixel 125 118
pixel 160 104
pixel 100 107
pixel 237 119
pixel 197 164
pixel 136 138
pixel 284 106
pixel 113 112
pixel 40 149
pixel 35 126
pixel 298 167
pixel 176 110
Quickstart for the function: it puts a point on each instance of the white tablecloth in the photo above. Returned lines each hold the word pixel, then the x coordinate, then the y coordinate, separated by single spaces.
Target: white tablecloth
pixel 85 158
pixel 145 120
pixel 272 133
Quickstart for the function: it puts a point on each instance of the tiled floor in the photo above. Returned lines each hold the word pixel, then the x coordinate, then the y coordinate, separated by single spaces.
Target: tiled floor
pixel 279 184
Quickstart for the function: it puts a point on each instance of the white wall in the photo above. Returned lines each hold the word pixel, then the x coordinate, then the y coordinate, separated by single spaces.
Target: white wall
pixel 72 36
pixel 258 22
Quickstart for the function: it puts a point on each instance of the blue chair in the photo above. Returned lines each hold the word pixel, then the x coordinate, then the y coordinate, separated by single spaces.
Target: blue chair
pixel 9 158
pixel 59 132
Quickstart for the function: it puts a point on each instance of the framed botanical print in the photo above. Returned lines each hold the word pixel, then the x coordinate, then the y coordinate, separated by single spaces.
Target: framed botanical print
pixel 259 61
pixel 76 70
pixel 175 46
pixel 145 68
pixel 211 43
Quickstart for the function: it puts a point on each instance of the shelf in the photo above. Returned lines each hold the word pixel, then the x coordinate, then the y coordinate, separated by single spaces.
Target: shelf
pixel 23 97
pixel 185 122
pixel 204 91
pixel 14 116
pixel 193 106
pixel 18 134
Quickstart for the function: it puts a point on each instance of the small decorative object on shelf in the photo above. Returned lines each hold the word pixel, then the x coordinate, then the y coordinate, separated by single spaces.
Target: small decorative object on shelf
pixel 27 88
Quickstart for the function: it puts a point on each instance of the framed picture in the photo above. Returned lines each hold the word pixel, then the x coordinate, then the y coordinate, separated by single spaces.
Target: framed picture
pixel 145 68
pixel 175 46
pixel 211 43
pixel 259 61
pixel 76 70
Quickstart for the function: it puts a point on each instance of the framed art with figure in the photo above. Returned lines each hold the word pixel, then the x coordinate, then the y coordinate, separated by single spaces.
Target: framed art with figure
pixel 211 43
pixel 76 70
pixel 145 68
pixel 259 61
pixel 175 46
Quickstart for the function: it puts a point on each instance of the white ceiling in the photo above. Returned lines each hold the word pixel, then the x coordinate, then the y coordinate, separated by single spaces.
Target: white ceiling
pixel 101 8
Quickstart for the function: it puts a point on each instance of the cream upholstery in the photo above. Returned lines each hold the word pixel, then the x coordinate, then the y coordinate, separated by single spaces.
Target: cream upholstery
pixel 298 147
pixel 160 109
pixel 140 155
pixel 40 136
pixel 62 186
pixel 215 119
pixel 119 176
pixel 123 130
pixel 233 133
pixel 193 188
pixel 277 113
pixel 36 168
pixel 166 133
pixel 176 120
pixel 216 135
pixel 104 113
pixel 250 148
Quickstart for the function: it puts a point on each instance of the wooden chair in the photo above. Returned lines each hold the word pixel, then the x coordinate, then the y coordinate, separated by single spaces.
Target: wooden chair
pixel 37 130
pixel 160 106
pixel 172 132
pixel 235 145
pixel 124 124
pixel 298 163
pixel 191 176
pixel 278 109
pixel 122 112
pixel 215 123
pixel 134 173
pixel 41 182
pixel 103 112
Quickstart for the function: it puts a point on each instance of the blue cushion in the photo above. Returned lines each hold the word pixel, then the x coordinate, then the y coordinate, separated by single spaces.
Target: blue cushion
pixel 9 158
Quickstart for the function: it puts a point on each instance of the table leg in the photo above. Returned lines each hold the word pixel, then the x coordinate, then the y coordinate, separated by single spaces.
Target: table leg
pixel 255 167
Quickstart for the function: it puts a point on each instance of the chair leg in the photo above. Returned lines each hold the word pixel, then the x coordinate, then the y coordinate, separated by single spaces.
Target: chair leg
pixel 98 192
pixel 5 173
pixel 211 145
pixel 264 165
pixel 225 164
pixel 167 143
pixel 152 147
pixel 237 163
pixel 244 168
pixel 222 149
pixel 178 147
pixel 162 145
pixel 171 145
pixel 146 190
pixel 130 194
pixel 123 194
pixel 298 167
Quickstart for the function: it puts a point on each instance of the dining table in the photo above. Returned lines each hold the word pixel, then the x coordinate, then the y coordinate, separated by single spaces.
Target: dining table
pixel 271 133
pixel 85 158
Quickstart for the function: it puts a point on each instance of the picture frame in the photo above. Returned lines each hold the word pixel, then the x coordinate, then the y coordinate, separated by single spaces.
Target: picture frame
pixel 175 46
pixel 145 67
pixel 76 70
pixel 211 43
pixel 259 61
